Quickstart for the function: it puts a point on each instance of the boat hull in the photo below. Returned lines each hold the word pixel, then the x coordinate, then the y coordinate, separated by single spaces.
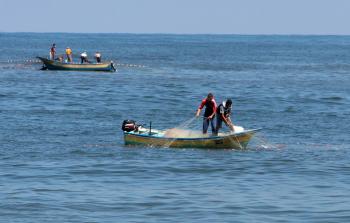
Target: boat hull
pixel 53 65
pixel 232 141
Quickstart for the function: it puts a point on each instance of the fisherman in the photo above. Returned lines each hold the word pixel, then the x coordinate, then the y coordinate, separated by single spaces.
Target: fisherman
pixel 223 115
pixel 98 57
pixel 209 113
pixel 53 52
pixel 69 54
pixel 83 57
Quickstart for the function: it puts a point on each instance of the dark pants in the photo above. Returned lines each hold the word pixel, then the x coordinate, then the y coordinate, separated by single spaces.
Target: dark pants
pixel 84 59
pixel 98 59
pixel 219 122
pixel 69 58
pixel 206 122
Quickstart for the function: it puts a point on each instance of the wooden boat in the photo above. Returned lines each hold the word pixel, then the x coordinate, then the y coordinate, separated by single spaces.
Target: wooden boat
pixel 158 138
pixel 56 65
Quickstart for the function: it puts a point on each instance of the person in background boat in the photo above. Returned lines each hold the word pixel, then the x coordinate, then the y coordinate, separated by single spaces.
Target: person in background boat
pixel 209 113
pixel 83 58
pixel 69 55
pixel 53 52
pixel 223 113
pixel 98 57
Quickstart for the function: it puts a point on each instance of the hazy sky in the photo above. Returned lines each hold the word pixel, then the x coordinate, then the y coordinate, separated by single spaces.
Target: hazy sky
pixel 177 16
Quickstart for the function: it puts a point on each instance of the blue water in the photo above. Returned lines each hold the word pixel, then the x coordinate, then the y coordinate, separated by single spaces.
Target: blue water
pixel 62 157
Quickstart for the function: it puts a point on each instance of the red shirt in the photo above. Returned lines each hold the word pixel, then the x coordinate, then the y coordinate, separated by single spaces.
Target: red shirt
pixel 210 107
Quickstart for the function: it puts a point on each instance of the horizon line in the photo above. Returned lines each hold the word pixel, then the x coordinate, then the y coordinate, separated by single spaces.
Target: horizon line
pixel 165 33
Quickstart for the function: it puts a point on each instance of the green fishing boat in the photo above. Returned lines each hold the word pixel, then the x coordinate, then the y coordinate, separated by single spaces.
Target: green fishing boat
pixel 56 65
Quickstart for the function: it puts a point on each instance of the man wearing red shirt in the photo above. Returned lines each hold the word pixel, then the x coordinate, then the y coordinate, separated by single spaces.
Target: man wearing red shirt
pixel 209 113
pixel 53 52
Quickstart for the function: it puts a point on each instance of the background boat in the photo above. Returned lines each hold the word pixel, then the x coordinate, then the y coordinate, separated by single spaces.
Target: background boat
pixel 55 65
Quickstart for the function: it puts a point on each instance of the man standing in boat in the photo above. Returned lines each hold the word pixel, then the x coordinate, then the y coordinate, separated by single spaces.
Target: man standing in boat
pixel 53 52
pixel 223 113
pixel 98 57
pixel 83 57
pixel 209 113
pixel 69 54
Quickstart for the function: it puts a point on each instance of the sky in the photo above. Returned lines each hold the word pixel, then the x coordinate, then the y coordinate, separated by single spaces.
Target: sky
pixel 324 17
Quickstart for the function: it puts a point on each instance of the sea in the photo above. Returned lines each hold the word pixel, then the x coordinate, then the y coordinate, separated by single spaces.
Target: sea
pixel 62 152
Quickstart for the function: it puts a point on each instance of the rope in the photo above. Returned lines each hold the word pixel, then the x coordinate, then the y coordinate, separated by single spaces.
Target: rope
pixel 130 65
pixel 239 143
pixel 20 61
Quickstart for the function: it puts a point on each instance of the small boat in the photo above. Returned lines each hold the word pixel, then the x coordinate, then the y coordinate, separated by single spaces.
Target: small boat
pixel 56 65
pixel 159 138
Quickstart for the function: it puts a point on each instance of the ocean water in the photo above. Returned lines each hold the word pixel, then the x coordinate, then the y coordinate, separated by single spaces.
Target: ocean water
pixel 62 154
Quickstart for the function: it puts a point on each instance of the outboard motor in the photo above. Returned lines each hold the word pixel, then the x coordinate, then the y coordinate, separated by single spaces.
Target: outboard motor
pixel 129 125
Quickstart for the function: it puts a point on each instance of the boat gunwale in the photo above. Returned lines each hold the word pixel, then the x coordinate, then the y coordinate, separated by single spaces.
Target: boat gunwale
pixel 57 63
pixel 79 64
pixel 197 139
